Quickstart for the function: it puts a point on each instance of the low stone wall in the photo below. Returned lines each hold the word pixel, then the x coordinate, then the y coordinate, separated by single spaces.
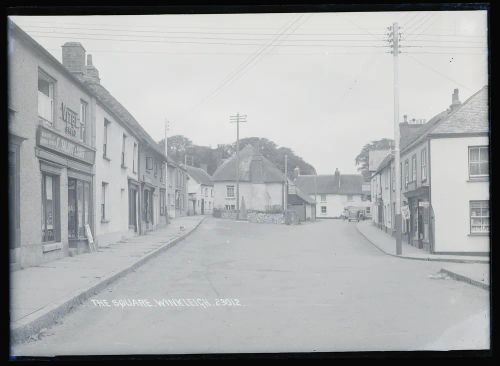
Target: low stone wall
pixel 265 218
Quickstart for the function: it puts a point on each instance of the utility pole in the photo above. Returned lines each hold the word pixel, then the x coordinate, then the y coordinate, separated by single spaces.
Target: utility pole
pixel 167 125
pixel 285 200
pixel 394 38
pixel 238 118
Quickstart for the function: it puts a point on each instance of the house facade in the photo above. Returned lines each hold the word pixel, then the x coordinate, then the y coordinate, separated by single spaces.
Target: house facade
pixel 177 189
pixel 445 181
pixel 52 153
pixel 261 185
pixel 200 191
pixel 333 192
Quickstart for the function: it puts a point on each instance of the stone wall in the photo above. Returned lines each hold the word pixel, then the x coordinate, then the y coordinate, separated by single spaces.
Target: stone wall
pixel 266 218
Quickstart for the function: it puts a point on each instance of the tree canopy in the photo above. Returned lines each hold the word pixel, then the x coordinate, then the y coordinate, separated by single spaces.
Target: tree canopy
pixel 362 158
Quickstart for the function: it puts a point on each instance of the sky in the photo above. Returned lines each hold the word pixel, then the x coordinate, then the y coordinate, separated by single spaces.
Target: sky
pixel 318 83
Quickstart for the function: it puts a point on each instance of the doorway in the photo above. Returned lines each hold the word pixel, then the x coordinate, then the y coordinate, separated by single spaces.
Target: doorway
pixel 132 208
pixel 202 206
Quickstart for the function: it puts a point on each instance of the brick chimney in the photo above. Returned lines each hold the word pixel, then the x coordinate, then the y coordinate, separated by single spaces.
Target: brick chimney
pixel 73 58
pixel 337 176
pixel 91 72
pixel 455 102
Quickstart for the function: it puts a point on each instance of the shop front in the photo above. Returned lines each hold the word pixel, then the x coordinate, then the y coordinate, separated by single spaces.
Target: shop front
pixel 148 207
pixel 419 223
pixel 66 168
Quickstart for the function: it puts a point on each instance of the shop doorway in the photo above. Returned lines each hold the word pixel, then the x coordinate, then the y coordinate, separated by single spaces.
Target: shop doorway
pixel 132 208
pixel 79 212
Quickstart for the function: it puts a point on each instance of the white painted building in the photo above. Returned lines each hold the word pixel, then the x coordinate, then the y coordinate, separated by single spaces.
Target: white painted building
pixel 261 183
pixel 200 191
pixel 334 192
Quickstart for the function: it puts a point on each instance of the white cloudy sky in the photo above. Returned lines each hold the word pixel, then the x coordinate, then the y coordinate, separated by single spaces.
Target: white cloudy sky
pixel 321 84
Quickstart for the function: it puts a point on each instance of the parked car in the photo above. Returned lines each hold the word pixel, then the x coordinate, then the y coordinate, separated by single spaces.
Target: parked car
pixel 354 215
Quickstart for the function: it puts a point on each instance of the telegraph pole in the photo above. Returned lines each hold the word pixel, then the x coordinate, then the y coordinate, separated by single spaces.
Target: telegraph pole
pixel 285 200
pixel 238 118
pixel 394 38
pixel 167 209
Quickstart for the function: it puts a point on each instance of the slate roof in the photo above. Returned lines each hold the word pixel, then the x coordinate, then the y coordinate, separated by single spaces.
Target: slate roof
pixel 329 184
pixel 199 175
pixel 254 167
pixel 105 97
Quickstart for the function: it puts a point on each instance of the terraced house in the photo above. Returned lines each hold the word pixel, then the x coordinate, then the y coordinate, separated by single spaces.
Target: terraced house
pixel 91 159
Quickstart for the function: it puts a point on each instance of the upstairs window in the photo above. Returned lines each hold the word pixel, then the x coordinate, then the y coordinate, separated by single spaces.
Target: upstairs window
pixel 423 165
pixel 149 163
pixel 323 197
pixel 478 161
pixel 124 144
pixel 230 191
pixel 46 97
pixel 414 168
pixel 105 146
pixel 134 160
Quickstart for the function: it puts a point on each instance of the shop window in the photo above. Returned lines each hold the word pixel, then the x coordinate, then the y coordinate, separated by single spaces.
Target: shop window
pixel 479 217
pixel 78 208
pixel 229 191
pixel 423 164
pixel 50 208
pixel 478 161
pixel 46 87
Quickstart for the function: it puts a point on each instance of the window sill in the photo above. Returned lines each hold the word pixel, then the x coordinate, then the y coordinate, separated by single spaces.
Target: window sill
pixel 104 221
pixel 51 247
pixel 478 234
pixel 106 158
pixel 478 179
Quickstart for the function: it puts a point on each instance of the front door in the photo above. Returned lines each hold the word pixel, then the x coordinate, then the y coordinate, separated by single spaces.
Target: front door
pixel 202 206
pixel 132 207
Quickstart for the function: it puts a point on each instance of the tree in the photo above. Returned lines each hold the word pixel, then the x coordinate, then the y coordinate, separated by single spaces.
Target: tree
pixel 362 158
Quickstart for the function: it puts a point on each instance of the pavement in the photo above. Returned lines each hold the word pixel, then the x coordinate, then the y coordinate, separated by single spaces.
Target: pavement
pixel 41 295
pixel 471 269
pixel 247 287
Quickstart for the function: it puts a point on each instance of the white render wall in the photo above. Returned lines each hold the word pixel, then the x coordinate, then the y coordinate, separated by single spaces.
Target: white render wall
pixel 199 192
pixel 335 204
pixel 112 173
pixel 451 192
pixel 257 196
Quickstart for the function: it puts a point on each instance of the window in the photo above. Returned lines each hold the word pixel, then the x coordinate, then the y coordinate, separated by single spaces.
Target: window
pixel 50 208
pixel 323 197
pixel 104 216
pixel 211 192
pixel 156 168
pixel 83 121
pixel 162 202
pixel 206 192
pixel 367 210
pixel 161 172
pixel 45 97
pixel 229 191
pixel 149 163
pixel 478 161
pixel 479 217
pixel 386 178
pixel 230 207
pixel 105 139
pixel 407 173
pixel 124 144
pixel 134 159
pixel 323 210
pixel 349 197
pixel 414 168
pixel 423 165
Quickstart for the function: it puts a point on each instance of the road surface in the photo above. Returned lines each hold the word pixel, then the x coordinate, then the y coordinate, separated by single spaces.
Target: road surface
pixel 312 287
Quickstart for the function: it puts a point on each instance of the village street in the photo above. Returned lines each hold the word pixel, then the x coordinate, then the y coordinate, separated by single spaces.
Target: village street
pixel 312 287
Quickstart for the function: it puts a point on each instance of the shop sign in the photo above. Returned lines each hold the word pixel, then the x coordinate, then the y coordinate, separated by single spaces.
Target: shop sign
pixel 423 204
pixel 62 145
pixel 71 118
